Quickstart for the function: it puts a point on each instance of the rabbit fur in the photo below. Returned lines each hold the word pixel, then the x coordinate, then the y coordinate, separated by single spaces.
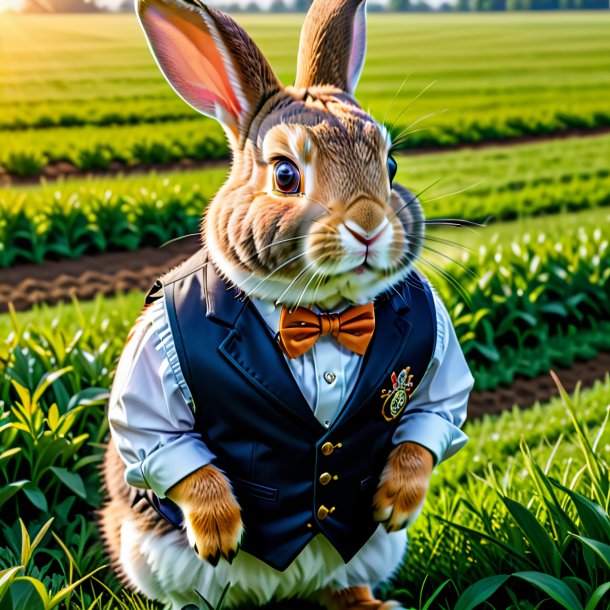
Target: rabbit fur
pixel 268 243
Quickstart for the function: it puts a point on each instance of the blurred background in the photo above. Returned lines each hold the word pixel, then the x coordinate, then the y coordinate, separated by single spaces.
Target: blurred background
pixel 503 111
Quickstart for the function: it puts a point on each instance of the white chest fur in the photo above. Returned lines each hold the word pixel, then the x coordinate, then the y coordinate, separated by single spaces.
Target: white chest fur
pixel 164 567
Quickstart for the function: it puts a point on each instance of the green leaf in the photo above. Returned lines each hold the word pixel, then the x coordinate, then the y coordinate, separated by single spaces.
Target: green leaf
pixel 540 542
pixel 6 578
pixel 594 519
pixel 60 595
pixel 553 587
pixel 436 593
pixel 480 592
pixel 39 588
pixel 599 548
pixel 71 479
pixel 48 380
pixel 41 534
pixel 36 497
pixel 8 491
pixel 597 596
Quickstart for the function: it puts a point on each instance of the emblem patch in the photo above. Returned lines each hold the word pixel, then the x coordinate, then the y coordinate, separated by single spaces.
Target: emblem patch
pixel 397 398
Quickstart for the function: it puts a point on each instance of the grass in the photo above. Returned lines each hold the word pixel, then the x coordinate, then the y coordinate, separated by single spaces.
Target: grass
pixel 519 458
pixel 498 75
pixel 52 392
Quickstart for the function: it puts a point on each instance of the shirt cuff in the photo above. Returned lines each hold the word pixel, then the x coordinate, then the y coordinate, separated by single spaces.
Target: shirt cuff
pixel 169 464
pixel 433 432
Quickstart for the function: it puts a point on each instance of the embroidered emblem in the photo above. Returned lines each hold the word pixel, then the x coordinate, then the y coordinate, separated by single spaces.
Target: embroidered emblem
pixel 397 398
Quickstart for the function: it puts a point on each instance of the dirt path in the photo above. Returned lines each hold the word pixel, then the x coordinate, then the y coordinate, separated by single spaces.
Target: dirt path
pixel 106 274
pixel 55 171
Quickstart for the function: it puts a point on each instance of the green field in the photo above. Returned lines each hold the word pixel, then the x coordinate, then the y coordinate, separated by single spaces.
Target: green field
pixel 481 496
pixel 520 515
pixel 480 76
pixel 84 216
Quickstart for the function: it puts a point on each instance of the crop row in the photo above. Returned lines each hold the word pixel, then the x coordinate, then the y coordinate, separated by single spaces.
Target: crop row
pixel 79 113
pixel 67 227
pixel 510 298
pixel 69 219
pixel 26 153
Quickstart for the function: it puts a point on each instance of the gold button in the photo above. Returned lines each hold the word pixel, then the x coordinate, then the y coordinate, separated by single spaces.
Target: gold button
pixel 325 478
pixel 323 512
pixel 309 525
pixel 327 448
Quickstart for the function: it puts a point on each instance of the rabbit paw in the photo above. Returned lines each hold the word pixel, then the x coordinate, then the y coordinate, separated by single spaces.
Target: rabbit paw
pixel 211 512
pixel 403 485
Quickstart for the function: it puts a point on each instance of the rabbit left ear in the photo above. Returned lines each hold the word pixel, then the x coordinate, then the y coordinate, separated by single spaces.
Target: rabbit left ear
pixel 208 60
pixel 333 45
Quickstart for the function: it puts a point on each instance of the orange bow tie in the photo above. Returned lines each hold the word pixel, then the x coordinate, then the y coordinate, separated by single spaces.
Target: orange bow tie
pixel 300 329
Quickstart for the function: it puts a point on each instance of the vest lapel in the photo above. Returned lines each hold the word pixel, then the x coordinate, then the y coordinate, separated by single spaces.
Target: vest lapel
pixel 391 333
pixel 251 350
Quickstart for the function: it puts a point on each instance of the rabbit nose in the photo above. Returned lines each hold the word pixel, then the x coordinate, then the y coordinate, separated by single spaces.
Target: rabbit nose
pixel 363 236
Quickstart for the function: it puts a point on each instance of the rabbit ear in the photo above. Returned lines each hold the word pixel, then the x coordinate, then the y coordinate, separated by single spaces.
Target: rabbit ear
pixel 333 44
pixel 208 60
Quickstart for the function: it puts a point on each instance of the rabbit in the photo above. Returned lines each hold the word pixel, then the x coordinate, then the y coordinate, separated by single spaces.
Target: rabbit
pixel 236 480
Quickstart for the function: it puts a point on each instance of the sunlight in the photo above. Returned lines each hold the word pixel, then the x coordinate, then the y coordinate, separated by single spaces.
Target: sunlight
pixel 11 5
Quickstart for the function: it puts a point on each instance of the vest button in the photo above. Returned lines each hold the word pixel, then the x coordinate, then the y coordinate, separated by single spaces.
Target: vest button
pixel 323 512
pixel 325 478
pixel 327 448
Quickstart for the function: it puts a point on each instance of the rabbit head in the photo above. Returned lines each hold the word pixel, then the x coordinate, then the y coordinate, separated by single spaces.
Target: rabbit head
pixel 310 213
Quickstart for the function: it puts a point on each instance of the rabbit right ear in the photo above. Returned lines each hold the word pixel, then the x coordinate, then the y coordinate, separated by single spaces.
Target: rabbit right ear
pixel 333 44
pixel 208 60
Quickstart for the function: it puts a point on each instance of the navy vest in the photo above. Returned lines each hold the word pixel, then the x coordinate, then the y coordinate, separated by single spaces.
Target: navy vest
pixel 293 477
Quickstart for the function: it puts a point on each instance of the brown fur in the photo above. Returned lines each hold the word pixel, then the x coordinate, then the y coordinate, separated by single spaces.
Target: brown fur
pixel 326 40
pixel 212 512
pixel 355 598
pixel 403 484
pixel 253 231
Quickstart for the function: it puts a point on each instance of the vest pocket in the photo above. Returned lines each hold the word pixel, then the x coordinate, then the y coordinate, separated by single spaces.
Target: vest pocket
pixel 255 489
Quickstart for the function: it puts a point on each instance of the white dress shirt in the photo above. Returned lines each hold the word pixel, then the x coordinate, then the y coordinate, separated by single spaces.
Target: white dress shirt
pixel 151 416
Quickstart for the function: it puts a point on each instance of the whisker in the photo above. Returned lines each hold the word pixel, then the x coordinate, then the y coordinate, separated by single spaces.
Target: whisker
pixel 385 118
pixel 397 145
pixel 446 242
pixel 403 136
pixel 179 238
pixel 295 279
pixel 414 198
pixel 448 277
pixel 322 205
pixel 266 278
pixel 412 102
pixel 466 188
pixel 329 228
pixel 305 289
pixel 449 258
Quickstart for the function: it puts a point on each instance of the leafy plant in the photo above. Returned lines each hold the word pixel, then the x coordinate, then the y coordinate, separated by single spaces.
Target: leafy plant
pixel 534 518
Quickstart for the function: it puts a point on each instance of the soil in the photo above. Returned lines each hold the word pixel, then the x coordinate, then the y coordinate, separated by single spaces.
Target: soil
pixel 109 273
pixel 63 169
pixel 525 392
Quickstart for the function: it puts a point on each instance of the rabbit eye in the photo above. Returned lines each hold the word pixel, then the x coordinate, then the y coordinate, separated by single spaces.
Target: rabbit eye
pixel 287 177
pixel 392 169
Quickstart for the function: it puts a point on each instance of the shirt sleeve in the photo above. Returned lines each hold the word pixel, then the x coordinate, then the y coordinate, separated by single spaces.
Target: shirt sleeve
pixel 150 414
pixel 438 407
